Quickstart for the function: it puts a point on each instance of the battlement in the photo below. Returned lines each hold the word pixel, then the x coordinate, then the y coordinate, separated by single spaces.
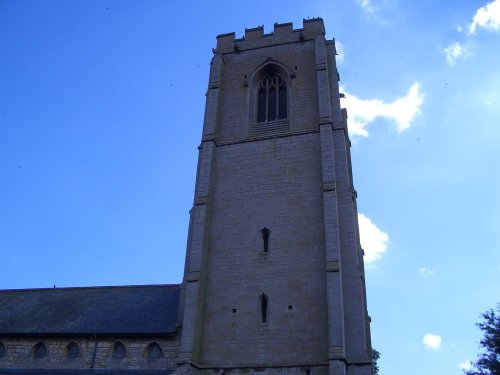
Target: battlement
pixel 283 33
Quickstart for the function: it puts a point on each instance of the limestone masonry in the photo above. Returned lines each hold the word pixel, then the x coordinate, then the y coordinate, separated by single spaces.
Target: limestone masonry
pixel 274 278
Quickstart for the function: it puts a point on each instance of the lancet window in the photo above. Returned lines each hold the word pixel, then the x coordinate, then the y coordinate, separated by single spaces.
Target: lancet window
pixel 40 350
pixel 154 351
pixel 119 350
pixel 73 350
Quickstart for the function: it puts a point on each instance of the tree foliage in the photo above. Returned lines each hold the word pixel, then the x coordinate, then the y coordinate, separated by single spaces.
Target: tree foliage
pixel 488 362
pixel 375 357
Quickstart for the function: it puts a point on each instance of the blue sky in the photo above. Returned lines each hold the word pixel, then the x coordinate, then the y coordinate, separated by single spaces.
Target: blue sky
pixel 101 109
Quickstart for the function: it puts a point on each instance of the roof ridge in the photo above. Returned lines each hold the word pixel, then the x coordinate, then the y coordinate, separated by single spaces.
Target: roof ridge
pixel 90 287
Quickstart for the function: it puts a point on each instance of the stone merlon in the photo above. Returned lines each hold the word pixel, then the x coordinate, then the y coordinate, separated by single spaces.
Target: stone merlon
pixel 283 33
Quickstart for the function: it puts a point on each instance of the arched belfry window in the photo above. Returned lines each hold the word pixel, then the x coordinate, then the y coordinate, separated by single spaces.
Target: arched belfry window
pixel 272 100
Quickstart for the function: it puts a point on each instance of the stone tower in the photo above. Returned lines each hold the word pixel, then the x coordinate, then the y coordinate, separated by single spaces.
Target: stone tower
pixel 274 278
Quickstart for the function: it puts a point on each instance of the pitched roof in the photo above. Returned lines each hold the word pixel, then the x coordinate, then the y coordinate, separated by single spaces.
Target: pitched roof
pixel 143 309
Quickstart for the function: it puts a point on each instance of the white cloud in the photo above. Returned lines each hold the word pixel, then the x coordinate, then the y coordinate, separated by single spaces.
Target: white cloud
pixel 453 52
pixel 465 365
pixel 367 6
pixel 340 52
pixel 425 271
pixel 432 341
pixel 373 240
pixel 487 17
pixel 402 110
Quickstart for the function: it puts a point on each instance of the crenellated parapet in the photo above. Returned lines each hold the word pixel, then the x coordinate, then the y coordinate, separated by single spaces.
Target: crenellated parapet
pixel 283 33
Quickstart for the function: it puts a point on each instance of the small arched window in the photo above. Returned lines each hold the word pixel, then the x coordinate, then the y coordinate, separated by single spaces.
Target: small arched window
pixel 39 350
pixel 265 239
pixel 119 350
pixel 3 349
pixel 73 350
pixel 153 351
pixel 271 98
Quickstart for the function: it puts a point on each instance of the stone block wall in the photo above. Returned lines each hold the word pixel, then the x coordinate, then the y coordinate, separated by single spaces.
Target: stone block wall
pixel 291 370
pixel 95 353
pixel 276 184
pixel 291 176
pixel 235 115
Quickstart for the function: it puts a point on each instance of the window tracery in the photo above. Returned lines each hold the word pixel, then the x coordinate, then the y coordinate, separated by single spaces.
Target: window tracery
pixel 272 98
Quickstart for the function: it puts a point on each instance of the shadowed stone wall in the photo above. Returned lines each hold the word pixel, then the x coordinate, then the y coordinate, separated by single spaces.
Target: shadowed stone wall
pixel 98 354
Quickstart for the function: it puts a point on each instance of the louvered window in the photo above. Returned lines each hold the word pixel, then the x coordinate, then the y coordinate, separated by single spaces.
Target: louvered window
pixel 271 99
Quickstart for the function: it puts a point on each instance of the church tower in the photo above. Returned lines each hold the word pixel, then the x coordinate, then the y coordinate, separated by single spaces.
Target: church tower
pixel 274 279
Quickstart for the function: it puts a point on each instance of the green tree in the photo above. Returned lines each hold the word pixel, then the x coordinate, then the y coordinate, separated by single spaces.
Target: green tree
pixel 375 357
pixel 488 362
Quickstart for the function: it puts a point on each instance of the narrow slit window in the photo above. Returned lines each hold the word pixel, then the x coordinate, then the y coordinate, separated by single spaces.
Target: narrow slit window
pixel 265 239
pixel 263 307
